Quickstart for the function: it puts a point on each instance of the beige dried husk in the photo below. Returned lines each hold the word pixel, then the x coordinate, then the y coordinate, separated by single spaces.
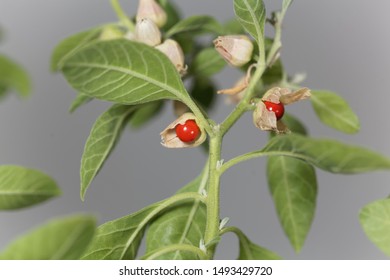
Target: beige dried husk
pixel 266 120
pixel 169 138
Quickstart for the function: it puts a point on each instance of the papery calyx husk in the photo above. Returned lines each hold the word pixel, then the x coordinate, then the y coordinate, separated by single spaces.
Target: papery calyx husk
pixel 175 54
pixel 147 32
pixel 169 138
pixel 235 49
pixel 152 10
pixel 266 120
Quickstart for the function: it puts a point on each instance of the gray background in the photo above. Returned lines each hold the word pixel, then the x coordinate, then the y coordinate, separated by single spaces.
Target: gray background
pixel 342 45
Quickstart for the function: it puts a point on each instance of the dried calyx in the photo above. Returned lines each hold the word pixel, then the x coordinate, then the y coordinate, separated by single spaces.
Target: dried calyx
pixel 175 54
pixel 170 139
pixel 235 49
pixel 266 119
pixel 147 32
pixel 152 10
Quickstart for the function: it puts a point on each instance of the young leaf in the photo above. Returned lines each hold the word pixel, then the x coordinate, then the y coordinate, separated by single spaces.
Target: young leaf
pixel 80 100
pixel 183 224
pixel 69 46
pixel 293 186
pixel 61 239
pixel 119 239
pixel 13 77
pixel 251 15
pixel 375 220
pixel 207 63
pixel 195 24
pixel 101 141
pixel 334 111
pixel 124 72
pixel 145 113
pixel 21 187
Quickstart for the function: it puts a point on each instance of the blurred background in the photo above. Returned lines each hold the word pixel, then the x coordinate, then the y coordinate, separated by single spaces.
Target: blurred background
pixel 341 45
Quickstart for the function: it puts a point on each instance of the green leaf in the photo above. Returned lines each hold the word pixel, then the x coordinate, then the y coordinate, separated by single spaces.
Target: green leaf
pixel 293 186
pixel 183 224
pixel 61 239
pixel 145 113
pixel 124 71
pixel 251 14
pixel 119 239
pixel 375 220
pixel 71 45
pixel 207 63
pixel 250 250
pixel 203 91
pixel 101 141
pixel 80 100
pixel 14 77
pixel 334 111
pixel 330 155
pixel 195 24
pixel 21 187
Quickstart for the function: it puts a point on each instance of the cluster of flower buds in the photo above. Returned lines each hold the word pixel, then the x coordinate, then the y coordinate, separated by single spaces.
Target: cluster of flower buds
pixel 150 17
pixel 270 109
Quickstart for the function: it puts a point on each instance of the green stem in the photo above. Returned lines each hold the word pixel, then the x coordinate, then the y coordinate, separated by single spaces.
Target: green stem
pixel 242 107
pixel 176 247
pixel 122 15
pixel 200 116
pixel 212 200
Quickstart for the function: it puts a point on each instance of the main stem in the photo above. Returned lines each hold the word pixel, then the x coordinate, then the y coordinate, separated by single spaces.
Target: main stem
pixel 212 200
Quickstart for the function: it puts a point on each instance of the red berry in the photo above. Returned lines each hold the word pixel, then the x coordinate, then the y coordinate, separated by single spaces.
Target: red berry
pixel 277 108
pixel 187 132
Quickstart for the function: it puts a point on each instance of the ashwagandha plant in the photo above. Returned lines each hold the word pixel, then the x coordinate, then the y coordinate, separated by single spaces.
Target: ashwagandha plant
pixel 139 64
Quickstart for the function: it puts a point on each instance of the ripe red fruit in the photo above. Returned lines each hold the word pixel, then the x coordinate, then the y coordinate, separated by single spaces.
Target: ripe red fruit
pixel 277 108
pixel 187 132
